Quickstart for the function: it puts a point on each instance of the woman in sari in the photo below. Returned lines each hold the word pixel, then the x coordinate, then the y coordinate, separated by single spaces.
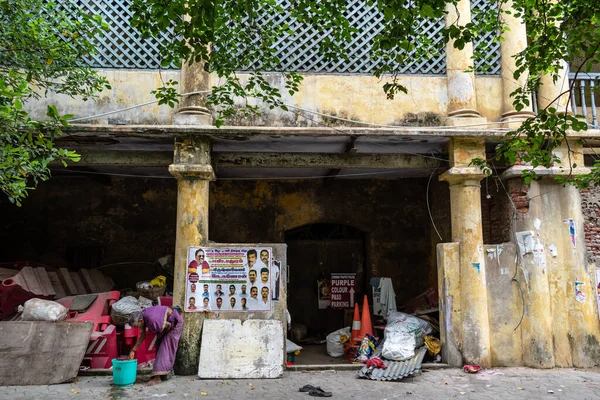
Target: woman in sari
pixel 167 324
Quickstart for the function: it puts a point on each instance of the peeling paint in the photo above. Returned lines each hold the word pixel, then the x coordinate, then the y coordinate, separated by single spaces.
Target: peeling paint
pixel 538 254
pixel 572 231
pixel 526 242
pixel 579 294
pixel 553 250
pixel 477 266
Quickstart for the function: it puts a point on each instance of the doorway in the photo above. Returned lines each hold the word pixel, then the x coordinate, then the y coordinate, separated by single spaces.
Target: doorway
pixel 315 252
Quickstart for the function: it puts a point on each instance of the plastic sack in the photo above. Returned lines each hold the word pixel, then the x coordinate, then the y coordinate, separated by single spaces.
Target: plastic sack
pixel 335 345
pixel 434 346
pixel 394 316
pixel 43 310
pixel 291 347
pixel 366 349
pixel 122 309
pixel 401 339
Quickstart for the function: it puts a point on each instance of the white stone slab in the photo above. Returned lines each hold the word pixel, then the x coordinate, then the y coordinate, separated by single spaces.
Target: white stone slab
pixel 251 350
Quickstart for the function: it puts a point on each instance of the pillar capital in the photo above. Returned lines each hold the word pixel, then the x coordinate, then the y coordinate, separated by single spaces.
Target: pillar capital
pixel 466 176
pixel 191 149
pixel 183 171
pixel 570 154
pixel 516 171
pixel 191 158
pixel 462 150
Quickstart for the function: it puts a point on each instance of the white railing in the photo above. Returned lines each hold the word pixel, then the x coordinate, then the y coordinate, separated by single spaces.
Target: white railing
pixel 584 96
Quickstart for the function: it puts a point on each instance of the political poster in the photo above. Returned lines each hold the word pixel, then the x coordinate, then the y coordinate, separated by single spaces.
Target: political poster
pixel 229 279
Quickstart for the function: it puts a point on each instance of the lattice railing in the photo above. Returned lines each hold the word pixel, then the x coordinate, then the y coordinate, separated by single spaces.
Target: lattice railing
pixel 490 63
pixel 122 46
pixel 300 51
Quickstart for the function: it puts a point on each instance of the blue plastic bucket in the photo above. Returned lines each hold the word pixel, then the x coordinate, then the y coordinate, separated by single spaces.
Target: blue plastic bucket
pixel 124 372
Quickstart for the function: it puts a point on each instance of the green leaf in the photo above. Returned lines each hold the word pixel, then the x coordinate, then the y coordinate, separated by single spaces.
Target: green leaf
pixel 427 11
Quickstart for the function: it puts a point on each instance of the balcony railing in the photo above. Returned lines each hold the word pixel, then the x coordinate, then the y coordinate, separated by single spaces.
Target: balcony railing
pixel 584 96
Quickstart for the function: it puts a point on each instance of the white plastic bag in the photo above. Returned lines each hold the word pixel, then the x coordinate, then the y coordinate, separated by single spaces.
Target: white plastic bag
pixel 291 347
pixel 43 310
pixel 394 316
pixel 401 339
pixel 335 347
pixel 122 309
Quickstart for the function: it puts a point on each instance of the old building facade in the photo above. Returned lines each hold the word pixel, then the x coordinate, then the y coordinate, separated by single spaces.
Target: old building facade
pixel 385 189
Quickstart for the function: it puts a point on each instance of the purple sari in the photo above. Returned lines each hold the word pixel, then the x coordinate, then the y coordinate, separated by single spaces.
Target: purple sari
pixel 154 319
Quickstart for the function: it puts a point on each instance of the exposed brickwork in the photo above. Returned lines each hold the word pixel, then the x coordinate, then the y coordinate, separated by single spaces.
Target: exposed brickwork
pixel 518 195
pixel 590 206
pixel 496 212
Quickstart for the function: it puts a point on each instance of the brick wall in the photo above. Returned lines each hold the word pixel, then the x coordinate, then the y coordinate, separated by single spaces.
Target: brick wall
pixel 590 206
pixel 496 210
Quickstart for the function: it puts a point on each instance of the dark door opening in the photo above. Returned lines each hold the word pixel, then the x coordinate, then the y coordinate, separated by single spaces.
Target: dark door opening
pixel 314 252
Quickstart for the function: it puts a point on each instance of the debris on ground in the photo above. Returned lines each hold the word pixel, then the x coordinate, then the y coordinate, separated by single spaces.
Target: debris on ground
pixel 472 369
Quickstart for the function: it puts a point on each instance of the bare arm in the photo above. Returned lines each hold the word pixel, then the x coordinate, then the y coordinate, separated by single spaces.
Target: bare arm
pixel 139 341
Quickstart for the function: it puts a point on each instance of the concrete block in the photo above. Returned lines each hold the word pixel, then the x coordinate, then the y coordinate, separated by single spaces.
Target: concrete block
pixel 231 349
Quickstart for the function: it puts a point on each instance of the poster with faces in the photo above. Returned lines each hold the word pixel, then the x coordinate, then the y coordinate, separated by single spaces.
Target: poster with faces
pixel 230 279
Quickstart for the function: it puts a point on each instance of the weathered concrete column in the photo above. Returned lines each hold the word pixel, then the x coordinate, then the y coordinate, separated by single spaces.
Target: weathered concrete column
pixel 532 277
pixel 465 201
pixel 448 261
pixel 462 99
pixel 191 166
pixel 555 94
pixel 192 109
pixel 514 41
pixel 559 328
pixel 581 311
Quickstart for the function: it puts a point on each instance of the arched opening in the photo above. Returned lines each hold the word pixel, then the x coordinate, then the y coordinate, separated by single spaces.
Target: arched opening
pixel 315 252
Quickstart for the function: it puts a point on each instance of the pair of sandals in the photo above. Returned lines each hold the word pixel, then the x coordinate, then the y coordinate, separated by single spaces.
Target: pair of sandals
pixel 315 391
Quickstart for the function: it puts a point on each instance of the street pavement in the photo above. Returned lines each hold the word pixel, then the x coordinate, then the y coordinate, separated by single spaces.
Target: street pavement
pixel 500 383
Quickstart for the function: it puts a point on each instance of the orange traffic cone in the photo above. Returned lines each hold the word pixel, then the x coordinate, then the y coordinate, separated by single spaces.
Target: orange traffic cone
pixel 365 322
pixel 355 324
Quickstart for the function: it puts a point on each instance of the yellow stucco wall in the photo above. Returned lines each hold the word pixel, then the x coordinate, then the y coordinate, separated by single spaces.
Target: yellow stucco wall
pixel 129 87
pixel 358 97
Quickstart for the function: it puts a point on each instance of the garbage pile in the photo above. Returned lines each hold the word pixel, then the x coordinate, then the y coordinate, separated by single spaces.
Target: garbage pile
pixel 21 282
pixel 35 297
pixel 406 341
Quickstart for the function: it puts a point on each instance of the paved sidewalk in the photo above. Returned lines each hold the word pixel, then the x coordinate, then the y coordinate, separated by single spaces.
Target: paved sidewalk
pixel 501 383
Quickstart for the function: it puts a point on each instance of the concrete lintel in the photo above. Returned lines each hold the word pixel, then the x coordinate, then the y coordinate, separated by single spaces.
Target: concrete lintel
pixel 243 132
pixel 321 160
pixel 192 171
pixel 124 158
pixel 516 171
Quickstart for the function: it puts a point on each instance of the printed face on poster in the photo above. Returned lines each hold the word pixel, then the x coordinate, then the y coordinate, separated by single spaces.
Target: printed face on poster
pixel 229 279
